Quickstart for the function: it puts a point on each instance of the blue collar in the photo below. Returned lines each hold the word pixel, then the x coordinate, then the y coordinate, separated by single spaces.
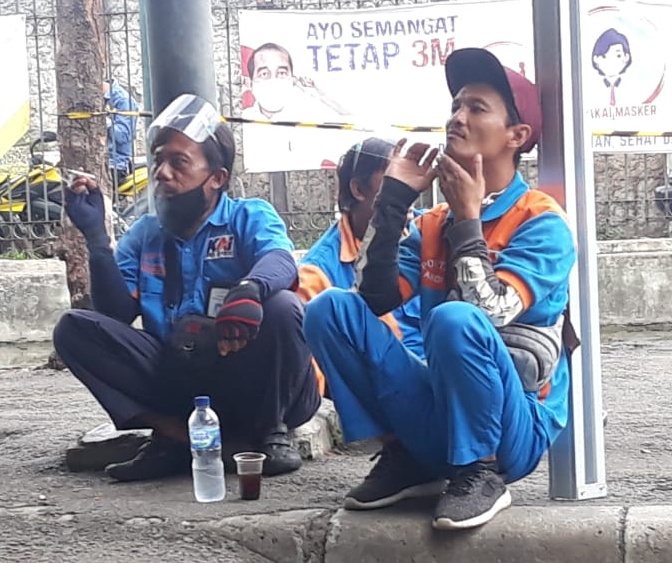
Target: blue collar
pixel 506 200
pixel 221 213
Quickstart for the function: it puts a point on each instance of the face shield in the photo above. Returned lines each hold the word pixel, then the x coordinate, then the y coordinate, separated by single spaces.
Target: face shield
pixel 190 115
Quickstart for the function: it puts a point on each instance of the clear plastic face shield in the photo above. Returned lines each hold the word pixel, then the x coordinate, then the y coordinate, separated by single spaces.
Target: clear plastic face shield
pixel 189 114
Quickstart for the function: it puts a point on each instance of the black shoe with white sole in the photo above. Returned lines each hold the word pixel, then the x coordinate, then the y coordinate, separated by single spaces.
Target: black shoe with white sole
pixel 472 498
pixel 396 476
pixel 157 458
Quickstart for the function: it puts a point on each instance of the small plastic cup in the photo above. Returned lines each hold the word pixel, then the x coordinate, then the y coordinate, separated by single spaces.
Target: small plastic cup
pixel 249 466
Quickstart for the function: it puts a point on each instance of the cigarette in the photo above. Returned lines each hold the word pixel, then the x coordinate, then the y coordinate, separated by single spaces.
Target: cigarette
pixel 74 173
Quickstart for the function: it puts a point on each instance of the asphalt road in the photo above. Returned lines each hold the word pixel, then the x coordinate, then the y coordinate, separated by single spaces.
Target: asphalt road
pixel 49 514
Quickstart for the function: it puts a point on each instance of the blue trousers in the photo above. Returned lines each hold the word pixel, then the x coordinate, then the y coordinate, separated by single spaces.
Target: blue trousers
pixel 131 373
pixel 465 403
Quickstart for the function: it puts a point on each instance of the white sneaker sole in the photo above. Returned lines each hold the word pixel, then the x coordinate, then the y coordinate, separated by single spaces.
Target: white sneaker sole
pixel 433 488
pixel 501 503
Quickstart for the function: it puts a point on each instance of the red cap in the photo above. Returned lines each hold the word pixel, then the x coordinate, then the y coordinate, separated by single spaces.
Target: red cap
pixel 480 66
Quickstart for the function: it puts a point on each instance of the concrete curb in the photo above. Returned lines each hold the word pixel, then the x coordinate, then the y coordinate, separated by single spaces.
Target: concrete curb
pixel 538 534
pixel 521 534
pixel 33 295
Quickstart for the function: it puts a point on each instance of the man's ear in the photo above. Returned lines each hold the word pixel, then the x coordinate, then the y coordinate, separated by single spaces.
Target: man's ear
pixel 357 190
pixel 519 135
pixel 220 178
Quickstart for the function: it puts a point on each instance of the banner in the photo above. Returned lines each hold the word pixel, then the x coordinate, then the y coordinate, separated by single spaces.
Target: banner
pixel 15 96
pixel 627 57
pixel 639 144
pixel 368 67
pixel 379 67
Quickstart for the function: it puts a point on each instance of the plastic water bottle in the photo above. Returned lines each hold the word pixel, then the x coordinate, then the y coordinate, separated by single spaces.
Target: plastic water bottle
pixel 207 467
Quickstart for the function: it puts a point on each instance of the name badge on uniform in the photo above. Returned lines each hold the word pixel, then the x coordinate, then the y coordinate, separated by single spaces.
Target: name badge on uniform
pixel 220 247
pixel 216 300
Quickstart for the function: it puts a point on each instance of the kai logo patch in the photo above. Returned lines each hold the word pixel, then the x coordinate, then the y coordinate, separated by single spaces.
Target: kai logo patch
pixel 220 247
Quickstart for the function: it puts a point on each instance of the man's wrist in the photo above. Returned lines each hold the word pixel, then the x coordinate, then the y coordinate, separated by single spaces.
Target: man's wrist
pixel 396 193
pixel 466 214
pixel 97 240
pixel 462 236
pixel 245 289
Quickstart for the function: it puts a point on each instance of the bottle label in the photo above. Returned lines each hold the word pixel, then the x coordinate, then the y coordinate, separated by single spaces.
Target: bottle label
pixel 205 438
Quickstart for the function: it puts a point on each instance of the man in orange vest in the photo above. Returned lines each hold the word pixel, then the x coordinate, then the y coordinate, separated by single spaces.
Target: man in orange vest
pixel 492 269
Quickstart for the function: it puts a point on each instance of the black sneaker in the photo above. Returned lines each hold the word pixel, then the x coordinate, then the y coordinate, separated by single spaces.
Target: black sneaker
pixel 156 458
pixel 281 456
pixel 396 476
pixel 472 498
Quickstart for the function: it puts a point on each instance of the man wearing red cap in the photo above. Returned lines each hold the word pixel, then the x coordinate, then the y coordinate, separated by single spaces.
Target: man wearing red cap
pixel 492 269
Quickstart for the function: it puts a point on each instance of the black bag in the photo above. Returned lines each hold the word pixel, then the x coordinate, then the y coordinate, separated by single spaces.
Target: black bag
pixel 535 351
pixel 193 342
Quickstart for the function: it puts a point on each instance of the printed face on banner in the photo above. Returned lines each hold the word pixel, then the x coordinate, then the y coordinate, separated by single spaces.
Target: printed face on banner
pixel 372 68
pixel 272 80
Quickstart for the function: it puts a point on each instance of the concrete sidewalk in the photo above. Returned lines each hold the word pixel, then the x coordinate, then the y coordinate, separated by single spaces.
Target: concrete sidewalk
pixel 556 534
pixel 593 534
pixel 50 514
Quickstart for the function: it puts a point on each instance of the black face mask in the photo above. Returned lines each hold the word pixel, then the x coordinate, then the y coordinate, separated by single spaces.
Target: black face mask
pixel 180 212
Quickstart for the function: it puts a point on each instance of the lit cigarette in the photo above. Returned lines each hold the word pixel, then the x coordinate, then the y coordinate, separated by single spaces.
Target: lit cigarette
pixel 74 173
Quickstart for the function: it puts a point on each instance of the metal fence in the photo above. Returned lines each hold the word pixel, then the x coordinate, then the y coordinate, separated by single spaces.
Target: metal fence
pixel 625 185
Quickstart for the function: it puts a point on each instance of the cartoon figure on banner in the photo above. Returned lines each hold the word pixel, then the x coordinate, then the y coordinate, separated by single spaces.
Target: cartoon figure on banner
pixel 611 58
pixel 628 64
pixel 272 91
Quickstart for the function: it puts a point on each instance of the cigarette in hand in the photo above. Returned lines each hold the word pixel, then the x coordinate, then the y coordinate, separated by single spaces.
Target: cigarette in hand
pixel 74 173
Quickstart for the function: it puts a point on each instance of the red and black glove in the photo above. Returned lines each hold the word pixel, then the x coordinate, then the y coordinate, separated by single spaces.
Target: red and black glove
pixel 241 313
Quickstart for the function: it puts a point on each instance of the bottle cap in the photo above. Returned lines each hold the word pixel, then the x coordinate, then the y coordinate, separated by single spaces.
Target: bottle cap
pixel 202 402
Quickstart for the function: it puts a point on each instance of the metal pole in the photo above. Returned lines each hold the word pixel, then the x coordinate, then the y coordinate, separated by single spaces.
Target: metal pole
pixel 180 50
pixel 146 78
pixel 146 97
pixel 177 56
pixel 576 461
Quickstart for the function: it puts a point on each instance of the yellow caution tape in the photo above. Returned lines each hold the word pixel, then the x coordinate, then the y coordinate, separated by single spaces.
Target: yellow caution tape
pixel 231 119
pixel 337 126
pixel 632 134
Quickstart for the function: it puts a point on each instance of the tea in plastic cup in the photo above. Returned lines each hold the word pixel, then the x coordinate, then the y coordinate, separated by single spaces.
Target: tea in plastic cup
pixel 249 466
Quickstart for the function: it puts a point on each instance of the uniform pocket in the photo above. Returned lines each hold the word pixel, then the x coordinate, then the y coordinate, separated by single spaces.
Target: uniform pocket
pixel 151 285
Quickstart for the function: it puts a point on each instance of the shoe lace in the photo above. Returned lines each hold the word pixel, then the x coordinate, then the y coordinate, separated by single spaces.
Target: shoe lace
pixel 465 483
pixel 385 465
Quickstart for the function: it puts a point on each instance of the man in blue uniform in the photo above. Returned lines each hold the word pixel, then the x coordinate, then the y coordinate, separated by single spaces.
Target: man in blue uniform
pixel 330 262
pixel 212 279
pixel 120 130
pixel 492 270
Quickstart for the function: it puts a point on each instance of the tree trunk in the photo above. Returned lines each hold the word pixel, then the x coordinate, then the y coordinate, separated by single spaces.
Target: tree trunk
pixel 79 84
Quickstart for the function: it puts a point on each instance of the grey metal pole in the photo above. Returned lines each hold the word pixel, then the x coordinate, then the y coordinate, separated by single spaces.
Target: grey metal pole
pixel 144 52
pixel 180 50
pixel 576 460
pixel 146 95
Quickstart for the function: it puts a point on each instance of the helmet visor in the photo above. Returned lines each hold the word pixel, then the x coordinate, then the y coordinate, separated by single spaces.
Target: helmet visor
pixel 190 115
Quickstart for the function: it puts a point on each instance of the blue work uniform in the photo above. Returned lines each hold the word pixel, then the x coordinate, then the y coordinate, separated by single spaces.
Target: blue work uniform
pixel 330 262
pixel 223 250
pixel 467 401
pixel 135 372
pixel 121 130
